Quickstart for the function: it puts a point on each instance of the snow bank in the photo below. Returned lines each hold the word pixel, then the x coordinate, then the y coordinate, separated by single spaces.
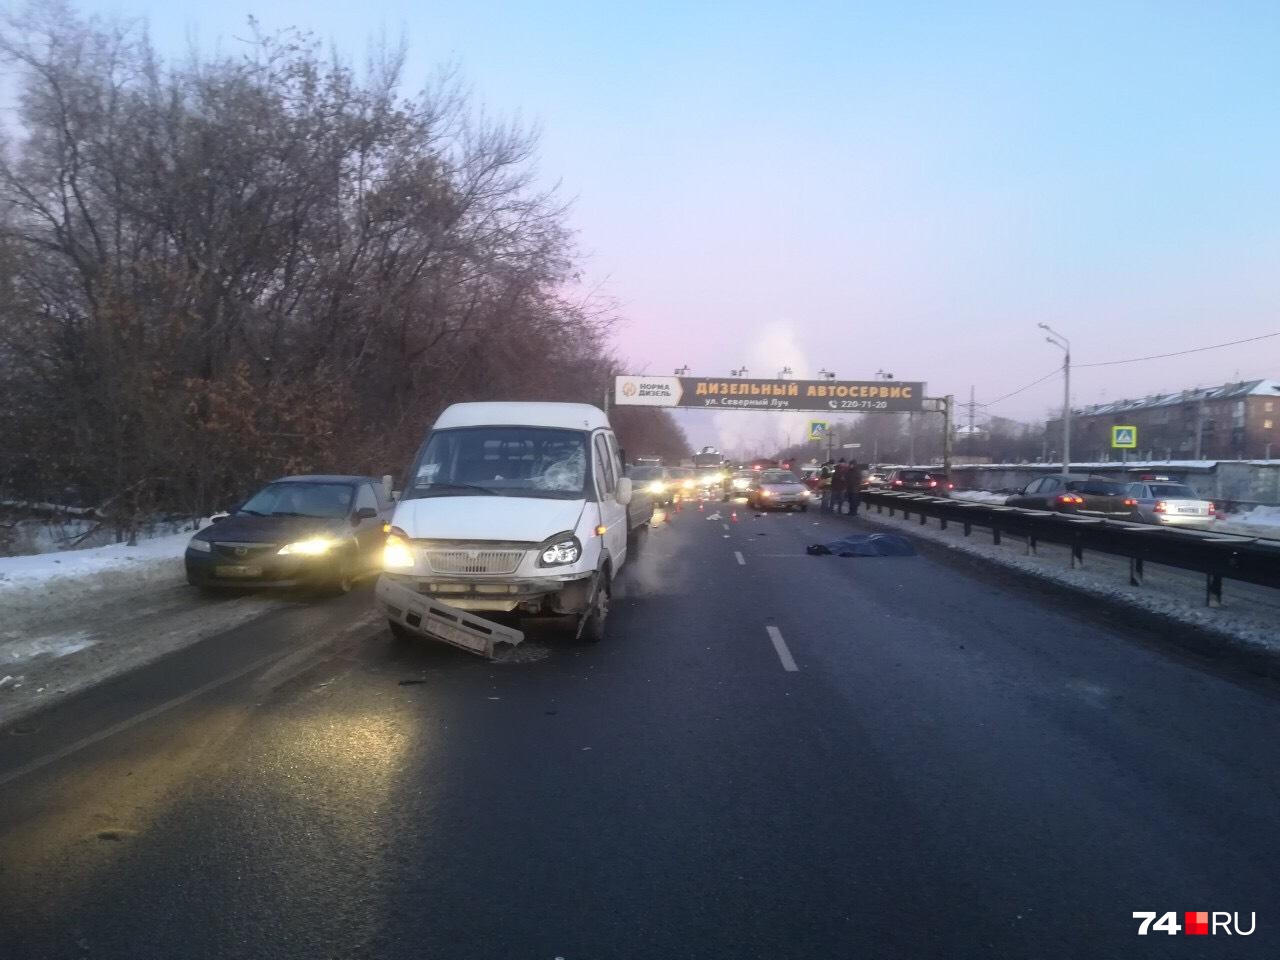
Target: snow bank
pixel 979 496
pixel 48 584
pixel 1258 522
pixel 25 572
pixel 1261 516
pixel 72 619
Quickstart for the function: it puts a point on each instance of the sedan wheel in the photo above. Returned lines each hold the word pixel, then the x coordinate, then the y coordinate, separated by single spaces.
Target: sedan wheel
pixel 342 581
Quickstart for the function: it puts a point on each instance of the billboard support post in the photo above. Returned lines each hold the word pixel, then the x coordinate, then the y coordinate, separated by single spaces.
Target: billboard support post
pixel 948 405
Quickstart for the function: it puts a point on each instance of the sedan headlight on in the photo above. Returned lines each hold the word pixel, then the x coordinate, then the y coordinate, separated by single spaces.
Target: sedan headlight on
pixel 563 548
pixel 396 555
pixel 657 487
pixel 311 547
pixel 200 546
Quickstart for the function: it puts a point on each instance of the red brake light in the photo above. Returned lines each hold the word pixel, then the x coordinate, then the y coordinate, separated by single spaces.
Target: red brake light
pixel 951 486
pixel 1130 502
pixel 1070 498
pixel 1212 507
pixel 1161 506
pixel 933 483
pixel 897 483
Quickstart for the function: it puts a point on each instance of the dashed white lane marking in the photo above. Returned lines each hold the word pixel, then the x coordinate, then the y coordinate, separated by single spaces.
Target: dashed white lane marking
pixel 742 561
pixel 780 645
pixel 725 525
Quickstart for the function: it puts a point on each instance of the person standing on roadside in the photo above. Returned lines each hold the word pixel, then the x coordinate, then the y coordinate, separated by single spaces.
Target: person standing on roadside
pixel 839 485
pixel 853 488
pixel 824 486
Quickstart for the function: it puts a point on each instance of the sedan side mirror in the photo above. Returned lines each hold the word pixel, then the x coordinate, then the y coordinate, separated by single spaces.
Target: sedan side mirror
pixel 364 513
pixel 624 491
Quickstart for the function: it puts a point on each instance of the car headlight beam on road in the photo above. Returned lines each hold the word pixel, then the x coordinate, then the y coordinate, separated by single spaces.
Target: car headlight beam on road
pixel 311 547
pixel 396 554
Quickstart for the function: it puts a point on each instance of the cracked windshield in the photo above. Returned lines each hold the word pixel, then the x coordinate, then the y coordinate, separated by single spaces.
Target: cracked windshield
pixel 564 481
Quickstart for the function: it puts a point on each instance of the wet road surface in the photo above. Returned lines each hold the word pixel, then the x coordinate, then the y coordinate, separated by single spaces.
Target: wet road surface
pixel 772 755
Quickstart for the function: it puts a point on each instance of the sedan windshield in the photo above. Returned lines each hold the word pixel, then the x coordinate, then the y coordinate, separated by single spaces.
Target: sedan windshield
pixel 1173 491
pixel 329 501
pixel 502 462
pixel 779 476
pixel 1098 488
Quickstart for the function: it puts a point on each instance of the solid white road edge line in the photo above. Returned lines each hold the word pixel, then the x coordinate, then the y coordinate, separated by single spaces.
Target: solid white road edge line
pixel 129 722
pixel 742 561
pixel 780 645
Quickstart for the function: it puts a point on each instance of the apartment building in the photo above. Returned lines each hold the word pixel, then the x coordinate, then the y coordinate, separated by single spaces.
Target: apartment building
pixel 1236 421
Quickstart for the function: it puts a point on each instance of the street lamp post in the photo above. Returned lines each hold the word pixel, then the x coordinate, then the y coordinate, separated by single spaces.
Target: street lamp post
pixel 1058 340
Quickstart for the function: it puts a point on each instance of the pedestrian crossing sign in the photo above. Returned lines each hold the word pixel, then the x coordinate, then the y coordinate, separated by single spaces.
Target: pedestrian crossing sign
pixel 818 429
pixel 1124 438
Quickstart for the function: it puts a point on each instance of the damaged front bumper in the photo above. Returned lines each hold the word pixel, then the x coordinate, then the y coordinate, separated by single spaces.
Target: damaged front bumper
pixel 424 614
pixel 551 595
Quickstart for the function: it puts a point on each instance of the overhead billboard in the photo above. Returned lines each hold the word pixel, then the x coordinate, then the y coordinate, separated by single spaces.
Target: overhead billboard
pixel 849 396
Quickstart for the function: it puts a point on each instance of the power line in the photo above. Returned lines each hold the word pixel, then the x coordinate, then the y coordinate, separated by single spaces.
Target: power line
pixel 1179 353
pixel 1112 363
pixel 1054 372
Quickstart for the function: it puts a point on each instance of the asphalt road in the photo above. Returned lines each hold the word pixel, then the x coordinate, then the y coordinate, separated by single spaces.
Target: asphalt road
pixel 957 766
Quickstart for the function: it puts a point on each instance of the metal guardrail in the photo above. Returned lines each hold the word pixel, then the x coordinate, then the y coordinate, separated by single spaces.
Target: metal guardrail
pixel 1217 556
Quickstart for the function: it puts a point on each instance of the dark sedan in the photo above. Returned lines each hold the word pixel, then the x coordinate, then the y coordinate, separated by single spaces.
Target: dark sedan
pixel 320 531
pixel 1086 496
pixel 933 482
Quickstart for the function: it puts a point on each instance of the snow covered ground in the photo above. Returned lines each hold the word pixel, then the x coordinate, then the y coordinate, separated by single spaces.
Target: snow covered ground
pixel 1248 616
pixel 74 618
pixel 116 561
pixel 979 496
pixel 1258 522
pixel 68 530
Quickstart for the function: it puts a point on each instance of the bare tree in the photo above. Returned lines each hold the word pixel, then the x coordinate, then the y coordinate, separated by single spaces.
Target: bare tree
pixel 241 265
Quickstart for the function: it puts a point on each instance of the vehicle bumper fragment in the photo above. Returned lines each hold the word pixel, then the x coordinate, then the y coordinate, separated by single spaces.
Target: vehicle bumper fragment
pixel 438 621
